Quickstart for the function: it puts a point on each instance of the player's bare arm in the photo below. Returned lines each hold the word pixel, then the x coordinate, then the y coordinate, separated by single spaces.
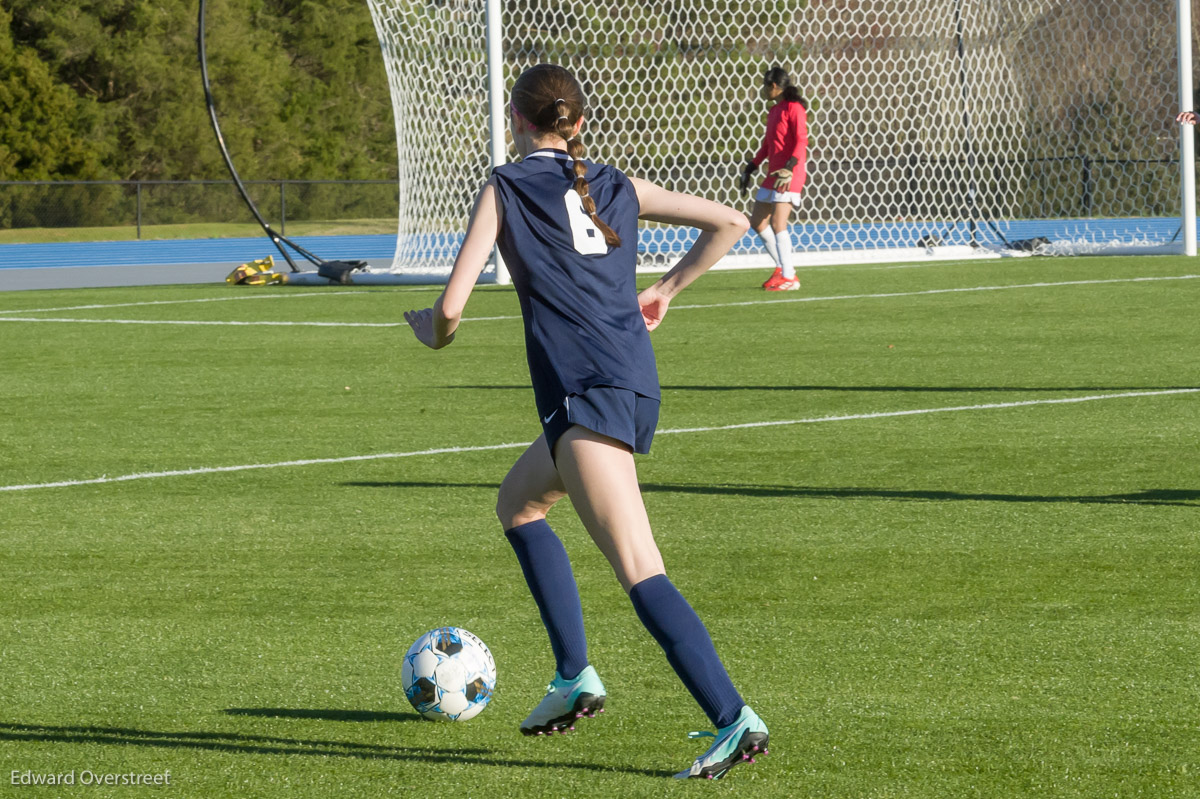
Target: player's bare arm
pixel 434 327
pixel 720 226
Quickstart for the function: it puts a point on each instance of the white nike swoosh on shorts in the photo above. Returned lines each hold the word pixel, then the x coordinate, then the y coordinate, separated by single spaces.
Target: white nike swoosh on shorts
pixel 566 404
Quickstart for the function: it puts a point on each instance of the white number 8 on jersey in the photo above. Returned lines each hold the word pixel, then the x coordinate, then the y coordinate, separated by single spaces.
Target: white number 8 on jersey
pixel 588 238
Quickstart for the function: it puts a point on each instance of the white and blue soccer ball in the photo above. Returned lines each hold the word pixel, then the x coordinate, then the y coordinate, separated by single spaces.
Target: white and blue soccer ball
pixel 449 675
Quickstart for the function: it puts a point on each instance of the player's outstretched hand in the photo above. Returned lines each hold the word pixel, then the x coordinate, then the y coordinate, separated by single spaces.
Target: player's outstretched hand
pixel 1186 118
pixel 421 323
pixel 654 306
pixel 783 179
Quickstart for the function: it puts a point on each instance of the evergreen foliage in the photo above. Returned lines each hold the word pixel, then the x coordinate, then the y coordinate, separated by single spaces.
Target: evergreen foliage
pixel 111 89
pixel 47 129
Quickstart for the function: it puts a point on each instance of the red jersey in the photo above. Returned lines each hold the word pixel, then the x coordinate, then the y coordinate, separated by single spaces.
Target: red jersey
pixel 787 138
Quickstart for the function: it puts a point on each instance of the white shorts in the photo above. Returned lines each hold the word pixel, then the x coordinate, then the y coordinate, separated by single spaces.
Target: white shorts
pixel 766 195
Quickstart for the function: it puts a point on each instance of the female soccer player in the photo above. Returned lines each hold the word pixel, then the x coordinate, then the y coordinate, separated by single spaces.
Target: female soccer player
pixel 567 229
pixel 785 148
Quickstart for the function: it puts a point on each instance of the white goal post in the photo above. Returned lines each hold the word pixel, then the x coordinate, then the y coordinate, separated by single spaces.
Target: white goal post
pixel 937 128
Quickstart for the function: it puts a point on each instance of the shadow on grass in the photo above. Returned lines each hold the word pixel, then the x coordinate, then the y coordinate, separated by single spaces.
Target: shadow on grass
pixel 324 715
pixel 881 389
pixel 270 745
pixel 1180 497
pixel 417 484
pixel 1186 498
pixel 931 389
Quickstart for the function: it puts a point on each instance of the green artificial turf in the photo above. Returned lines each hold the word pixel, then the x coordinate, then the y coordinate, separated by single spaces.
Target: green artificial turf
pixel 987 602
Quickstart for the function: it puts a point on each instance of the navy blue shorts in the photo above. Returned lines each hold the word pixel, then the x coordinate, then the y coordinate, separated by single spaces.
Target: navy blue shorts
pixel 617 413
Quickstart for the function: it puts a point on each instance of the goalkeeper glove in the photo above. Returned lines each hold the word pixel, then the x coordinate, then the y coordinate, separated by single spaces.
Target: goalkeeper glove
pixel 747 176
pixel 783 179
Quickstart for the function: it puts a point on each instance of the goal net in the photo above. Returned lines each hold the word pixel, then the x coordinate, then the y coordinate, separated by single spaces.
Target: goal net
pixel 937 128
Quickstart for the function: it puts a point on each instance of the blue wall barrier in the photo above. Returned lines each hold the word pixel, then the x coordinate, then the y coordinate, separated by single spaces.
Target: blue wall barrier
pixel 653 240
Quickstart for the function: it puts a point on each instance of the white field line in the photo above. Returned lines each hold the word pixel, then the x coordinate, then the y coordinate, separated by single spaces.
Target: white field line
pixel 789 300
pixel 196 322
pixel 944 291
pixel 288 296
pixel 489 447
pixel 247 467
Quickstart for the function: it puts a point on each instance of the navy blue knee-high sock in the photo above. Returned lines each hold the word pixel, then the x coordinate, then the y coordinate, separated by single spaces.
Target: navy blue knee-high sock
pixel 681 634
pixel 548 573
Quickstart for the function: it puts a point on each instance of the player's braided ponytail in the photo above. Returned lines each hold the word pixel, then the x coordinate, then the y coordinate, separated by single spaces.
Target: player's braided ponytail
pixel 563 126
pixel 552 100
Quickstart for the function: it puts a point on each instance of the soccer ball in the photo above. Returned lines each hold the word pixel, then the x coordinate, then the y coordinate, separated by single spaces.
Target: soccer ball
pixel 449 675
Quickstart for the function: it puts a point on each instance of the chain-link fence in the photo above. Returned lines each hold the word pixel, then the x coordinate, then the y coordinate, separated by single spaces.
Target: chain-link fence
pixel 145 204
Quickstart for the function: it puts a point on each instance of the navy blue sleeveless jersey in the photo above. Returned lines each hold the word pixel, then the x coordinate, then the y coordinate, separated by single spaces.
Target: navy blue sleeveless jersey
pixel 583 325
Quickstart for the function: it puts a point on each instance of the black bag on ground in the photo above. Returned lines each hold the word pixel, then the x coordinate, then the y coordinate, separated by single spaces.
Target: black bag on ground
pixel 339 271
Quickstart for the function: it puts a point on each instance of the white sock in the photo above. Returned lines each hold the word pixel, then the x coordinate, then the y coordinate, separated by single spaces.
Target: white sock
pixel 768 239
pixel 783 245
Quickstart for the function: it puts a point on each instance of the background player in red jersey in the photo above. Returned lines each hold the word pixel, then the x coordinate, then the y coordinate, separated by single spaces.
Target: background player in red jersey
pixel 785 149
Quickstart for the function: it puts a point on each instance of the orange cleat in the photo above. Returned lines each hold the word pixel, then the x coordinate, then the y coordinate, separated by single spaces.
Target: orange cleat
pixel 774 279
pixel 785 284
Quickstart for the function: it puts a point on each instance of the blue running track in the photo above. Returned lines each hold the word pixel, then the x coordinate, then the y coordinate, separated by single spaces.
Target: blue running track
pixel 188 251
pixel 813 236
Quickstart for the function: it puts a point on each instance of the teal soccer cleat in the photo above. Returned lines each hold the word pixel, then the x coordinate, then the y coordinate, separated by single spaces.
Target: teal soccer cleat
pixel 564 702
pixel 737 743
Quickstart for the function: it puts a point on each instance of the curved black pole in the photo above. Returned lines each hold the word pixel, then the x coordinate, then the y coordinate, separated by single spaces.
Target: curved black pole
pixel 277 239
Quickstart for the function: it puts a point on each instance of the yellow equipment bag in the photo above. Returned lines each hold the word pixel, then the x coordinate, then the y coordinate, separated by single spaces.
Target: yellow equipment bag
pixel 256 273
pixel 266 278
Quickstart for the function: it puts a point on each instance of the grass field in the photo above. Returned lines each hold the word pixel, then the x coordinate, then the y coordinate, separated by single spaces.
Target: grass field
pixel 938 576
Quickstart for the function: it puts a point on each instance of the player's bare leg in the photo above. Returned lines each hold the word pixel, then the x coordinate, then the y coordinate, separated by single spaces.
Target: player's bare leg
pixel 780 214
pixel 760 213
pixel 531 487
pixel 601 479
